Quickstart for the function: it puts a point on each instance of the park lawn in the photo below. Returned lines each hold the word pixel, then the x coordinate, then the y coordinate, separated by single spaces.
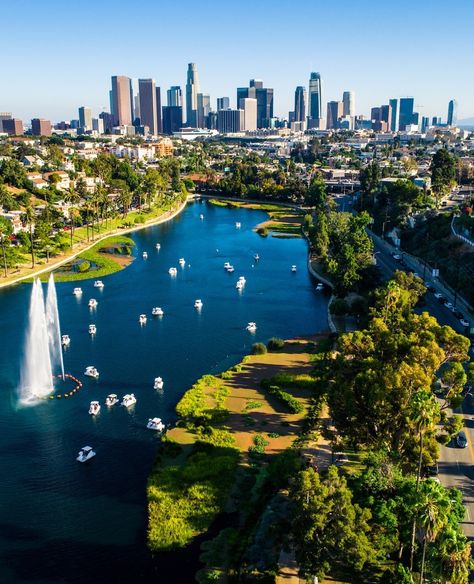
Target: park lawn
pixel 218 420
pixel 283 222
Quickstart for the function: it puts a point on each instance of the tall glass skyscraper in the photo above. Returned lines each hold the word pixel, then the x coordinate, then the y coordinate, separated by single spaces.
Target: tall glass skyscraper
pixel 121 100
pixel 348 103
pixel 175 96
pixel 148 105
pixel 192 90
pixel 406 112
pixel 393 103
pixel 300 104
pixel 314 100
pixel 452 112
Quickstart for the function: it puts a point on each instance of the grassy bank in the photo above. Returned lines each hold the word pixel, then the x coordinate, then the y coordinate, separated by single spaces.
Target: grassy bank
pixel 225 423
pixel 106 257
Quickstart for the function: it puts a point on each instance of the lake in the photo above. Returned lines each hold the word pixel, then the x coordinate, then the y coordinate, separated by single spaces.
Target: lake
pixel 62 521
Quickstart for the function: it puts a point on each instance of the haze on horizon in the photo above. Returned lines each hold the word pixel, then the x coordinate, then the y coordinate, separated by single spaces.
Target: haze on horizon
pixel 62 55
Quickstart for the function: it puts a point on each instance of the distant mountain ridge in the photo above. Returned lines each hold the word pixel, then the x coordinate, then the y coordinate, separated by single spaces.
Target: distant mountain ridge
pixel 466 123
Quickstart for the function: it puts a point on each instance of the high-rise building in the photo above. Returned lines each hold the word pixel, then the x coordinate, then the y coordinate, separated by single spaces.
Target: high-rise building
pixel 148 110
pixel 40 127
pixel 192 90
pixel 230 121
pixel 203 109
pixel 348 103
pixel 121 100
pixel 13 126
pixel 85 118
pixel 244 92
pixel 172 118
pixel 257 83
pixel 300 104
pixel 175 96
pixel 136 108
pixel 425 123
pixel 264 97
pixel 315 112
pixel 249 105
pixel 406 112
pixel 335 109
pixel 452 112
pixel 223 103
pixel 108 121
pixel 159 117
pixel 4 116
pixel 386 115
pixel 98 125
pixel 393 103
pixel 436 121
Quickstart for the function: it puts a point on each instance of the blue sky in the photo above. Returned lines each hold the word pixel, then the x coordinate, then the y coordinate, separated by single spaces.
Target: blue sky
pixel 57 55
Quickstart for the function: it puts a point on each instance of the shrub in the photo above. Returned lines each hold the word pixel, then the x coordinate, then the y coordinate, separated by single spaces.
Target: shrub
pixel 83 267
pixel 227 375
pixel 252 405
pixel 274 344
pixel 287 399
pixel 259 445
pixel 273 435
pixel 259 349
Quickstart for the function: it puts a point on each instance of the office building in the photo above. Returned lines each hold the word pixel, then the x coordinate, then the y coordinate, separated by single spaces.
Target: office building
pixel 386 116
pixel 264 106
pixel 425 124
pixel 256 83
pixel 85 118
pixel 436 121
pixel 98 125
pixel 452 112
pixel 4 116
pixel 246 92
pixel 300 104
pixel 108 121
pixel 159 117
pixel 192 90
pixel 249 106
pixel 315 112
pixel 172 119
pixel 223 103
pixel 335 109
pixel 175 96
pixel 348 103
pixel 406 115
pixel 148 106
pixel 13 126
pixel 230 121
pixel 40 127
pixel 203 109
pixel 121 100
pixel 393 103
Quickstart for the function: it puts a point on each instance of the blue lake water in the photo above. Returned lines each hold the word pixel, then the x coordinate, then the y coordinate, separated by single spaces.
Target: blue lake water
pixel 63 522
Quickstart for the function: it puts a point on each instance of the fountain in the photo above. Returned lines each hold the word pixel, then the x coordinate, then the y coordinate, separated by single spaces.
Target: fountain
pixel 54 330
pixel 43 344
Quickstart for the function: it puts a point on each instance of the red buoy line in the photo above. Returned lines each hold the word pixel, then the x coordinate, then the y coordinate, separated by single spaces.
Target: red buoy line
pixel 77 387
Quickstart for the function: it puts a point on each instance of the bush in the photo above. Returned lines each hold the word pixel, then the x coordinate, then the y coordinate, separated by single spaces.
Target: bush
pixel 83 267
pixel 259 445
pixel 274 344
pixel 287 399
pixel 339 307
pixel 259 349
pixel 262 231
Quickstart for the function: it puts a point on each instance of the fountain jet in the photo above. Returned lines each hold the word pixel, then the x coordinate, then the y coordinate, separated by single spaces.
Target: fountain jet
pixel 36 373
pixel 54 329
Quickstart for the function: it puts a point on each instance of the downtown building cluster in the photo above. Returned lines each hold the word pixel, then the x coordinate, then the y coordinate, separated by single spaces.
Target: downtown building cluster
pixel 139 108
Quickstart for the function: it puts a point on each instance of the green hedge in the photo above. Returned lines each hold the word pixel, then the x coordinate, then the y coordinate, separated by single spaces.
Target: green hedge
pixel 295 406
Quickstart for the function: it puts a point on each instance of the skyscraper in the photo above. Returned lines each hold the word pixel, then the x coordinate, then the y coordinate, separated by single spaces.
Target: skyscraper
pixel 452 112
pixel 348 103
pixel 314 100
pixel 249 106
pixel 394 123
pixel 13 126
pixel 425 122
pixel 230 121
pixel 148 111
pixel 223 103
pixel 203 109
pixel 121 100
pixel 172 118
pixel 159 117
pixel 335 109
pixel 192 90
pixel 300 104
pixel 264 97
pixel 257 83
pixel 85 118
pixel 175 96
pixel 40 127
pixel 406 112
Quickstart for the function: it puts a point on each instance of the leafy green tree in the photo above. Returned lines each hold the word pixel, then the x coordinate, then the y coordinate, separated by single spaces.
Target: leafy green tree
pixel 443 173
pixel 316 195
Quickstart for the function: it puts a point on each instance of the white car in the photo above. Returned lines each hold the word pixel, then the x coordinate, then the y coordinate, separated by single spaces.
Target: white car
pixel 438 295
pixel 464 322
pixel 449 305
pixel 397 256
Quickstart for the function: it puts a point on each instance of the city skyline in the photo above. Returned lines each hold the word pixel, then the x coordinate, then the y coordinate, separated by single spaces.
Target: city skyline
pixel 368 64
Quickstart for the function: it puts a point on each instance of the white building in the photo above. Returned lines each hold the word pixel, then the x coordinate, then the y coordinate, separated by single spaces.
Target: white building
pixel 249 105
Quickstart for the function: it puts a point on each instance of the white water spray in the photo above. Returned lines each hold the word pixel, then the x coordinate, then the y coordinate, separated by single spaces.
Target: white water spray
pixel 54 329
pixel 36 373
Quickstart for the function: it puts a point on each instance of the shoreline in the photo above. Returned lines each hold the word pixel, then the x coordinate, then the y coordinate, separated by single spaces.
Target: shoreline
pixel 167 216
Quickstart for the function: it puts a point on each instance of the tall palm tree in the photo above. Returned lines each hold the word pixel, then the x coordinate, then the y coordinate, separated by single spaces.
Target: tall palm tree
pixel 72 197
pixel 29 219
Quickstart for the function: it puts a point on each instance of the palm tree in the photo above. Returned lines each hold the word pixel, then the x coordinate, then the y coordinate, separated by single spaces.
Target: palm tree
pixel 29 219
pixel 72 197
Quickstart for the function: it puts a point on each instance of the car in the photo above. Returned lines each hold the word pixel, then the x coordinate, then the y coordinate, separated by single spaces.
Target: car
pixel 461 439
pixel 464 322
pixel 438 295
pixel 430 288
pixel 396 256
pixel 449 305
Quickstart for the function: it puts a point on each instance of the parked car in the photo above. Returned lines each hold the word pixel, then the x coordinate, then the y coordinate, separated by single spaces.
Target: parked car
pixel 449 305
pixel 432 471
pixel 464 322
pixel 439 296
pixel 429 287
pixel 396 256
pixel 461 439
